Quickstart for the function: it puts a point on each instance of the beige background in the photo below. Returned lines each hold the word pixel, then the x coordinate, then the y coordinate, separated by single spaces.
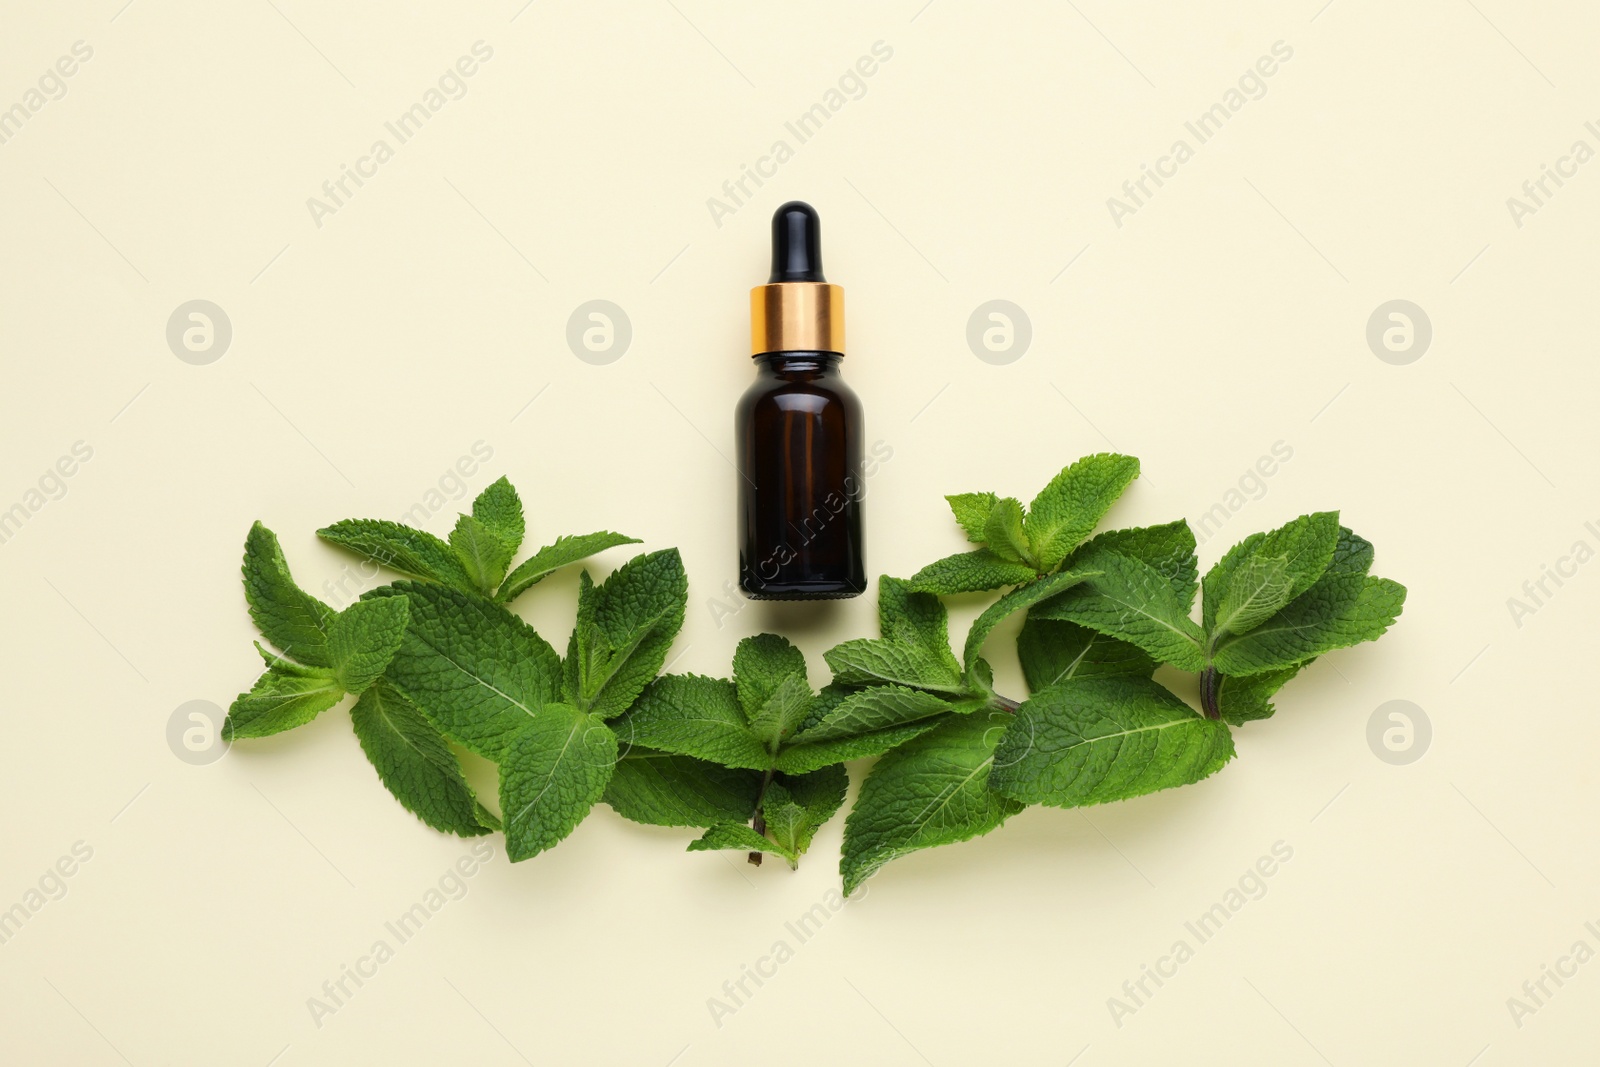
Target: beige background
pixel 429 313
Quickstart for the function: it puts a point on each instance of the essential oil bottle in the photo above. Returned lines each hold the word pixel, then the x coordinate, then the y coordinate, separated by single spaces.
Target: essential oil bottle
pixel 799 430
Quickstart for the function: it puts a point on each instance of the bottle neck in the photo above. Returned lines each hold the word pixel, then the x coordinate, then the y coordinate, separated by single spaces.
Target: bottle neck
pixel 799 365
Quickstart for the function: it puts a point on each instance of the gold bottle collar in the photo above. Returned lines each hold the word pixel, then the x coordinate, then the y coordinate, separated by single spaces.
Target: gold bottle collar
pixel 796 317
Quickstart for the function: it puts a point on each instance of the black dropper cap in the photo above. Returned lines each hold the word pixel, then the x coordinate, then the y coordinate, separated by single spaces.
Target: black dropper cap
pixel 796 244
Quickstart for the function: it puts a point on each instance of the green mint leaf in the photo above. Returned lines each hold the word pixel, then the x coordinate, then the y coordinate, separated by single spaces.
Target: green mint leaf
pixel 1266 571
pixel 761 664
pixel 980 679
pixel 1019 599
pixel 866 661
pixel 552 773
pixel 662 789
pixel 609 683
pixel 289 617
pixel 364 638
pixel 823 705
pixel 1169 548
pixel 478 672
pixel 1102 739
pixel 1352 555
pixel 1345 611
pixel 1131 601
pixel 1242 700
pixel 625 627
pixel 500 509
pixel 1052 651
pixel 914 650
pixel 970 572
pixel 581 642
pixel 910 618
pixel 872 709
pixel 1217 580
pixel 1068 509
pixel 797 807
pixel 483 553
pixel 552 557
pixel 1003 532
pixel 281 701
pixel 691 715
pixel 802 756
pixel 786 820
pixel 400 548
pixel 413 761
pixel 486 818
pixel 787 706
pixel 1310 539
pixel 1343 607
pixel 1259 587
pixel 930 791
pixel 742 838
pixel 972 512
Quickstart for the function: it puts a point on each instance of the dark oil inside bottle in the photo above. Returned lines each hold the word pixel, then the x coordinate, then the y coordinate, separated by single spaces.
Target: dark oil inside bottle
pixel 800 480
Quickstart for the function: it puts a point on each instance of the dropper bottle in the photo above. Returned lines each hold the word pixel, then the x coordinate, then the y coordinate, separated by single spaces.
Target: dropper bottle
pixel 799 430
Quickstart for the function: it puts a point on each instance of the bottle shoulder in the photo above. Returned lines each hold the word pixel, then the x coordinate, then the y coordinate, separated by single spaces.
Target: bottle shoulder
pixel 813 393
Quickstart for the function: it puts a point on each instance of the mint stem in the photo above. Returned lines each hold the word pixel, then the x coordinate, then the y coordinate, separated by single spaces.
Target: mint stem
pixel 758 821
pixel 1210 691
pixel 1005 704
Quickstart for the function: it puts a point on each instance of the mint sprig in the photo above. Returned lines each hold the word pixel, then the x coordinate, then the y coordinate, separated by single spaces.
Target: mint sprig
pixel 443 670
pixel 1020 545
pixel 1102 613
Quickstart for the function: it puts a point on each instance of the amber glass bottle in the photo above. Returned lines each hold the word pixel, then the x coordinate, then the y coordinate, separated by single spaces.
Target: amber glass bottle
pixel 799 431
